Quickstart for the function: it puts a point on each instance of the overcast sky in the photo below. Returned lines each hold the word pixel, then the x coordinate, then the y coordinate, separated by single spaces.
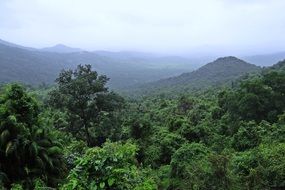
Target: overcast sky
pixel 165 26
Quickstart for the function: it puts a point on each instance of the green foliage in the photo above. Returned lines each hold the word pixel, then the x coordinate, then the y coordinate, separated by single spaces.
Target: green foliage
pixel 246 137
pixel 27 150
pixel 83 95
pixel 163 147
pixel 261 98
pixel 16 187
pixel 190 168
pixel 111 167
pixel 230 139
pixel 261 168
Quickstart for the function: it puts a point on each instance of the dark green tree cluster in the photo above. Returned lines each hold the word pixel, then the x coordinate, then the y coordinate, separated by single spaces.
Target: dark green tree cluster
pixel 28 150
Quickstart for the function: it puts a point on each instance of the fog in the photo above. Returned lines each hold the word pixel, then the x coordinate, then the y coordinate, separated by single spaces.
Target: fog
pixel 183 27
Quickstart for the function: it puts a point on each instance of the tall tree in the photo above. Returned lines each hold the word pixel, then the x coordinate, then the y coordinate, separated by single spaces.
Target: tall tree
pixel 84 95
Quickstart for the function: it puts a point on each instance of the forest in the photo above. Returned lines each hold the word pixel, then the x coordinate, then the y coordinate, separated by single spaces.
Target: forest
pixel 79 135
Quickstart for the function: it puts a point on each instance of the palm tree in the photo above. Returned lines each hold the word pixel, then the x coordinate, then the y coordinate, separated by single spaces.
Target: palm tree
pixel 27 149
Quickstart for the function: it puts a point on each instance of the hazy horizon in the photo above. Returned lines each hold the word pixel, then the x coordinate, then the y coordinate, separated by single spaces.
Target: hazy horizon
pixel 207 27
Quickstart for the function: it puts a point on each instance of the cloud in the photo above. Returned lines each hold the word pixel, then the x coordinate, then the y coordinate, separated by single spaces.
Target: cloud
pixel 238 26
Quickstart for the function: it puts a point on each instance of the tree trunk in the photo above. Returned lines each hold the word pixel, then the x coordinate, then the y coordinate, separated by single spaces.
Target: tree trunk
pixel 88 138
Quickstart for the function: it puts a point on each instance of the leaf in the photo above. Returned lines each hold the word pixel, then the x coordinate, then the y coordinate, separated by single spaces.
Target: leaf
pixel 47 159
pixel 39 132
pixel 111 181
pixel 34 150
pixel 12 119
pixel 102 185
pixel 74 183
pixel 9 148
pixel 97 161
pixel 27 170
pixel 54 150
pixel 93 186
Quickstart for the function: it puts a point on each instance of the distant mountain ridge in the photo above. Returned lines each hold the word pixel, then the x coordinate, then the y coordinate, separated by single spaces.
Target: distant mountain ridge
pixel 16 45
pixel 265 59
pixel 219 72
pixel 60 48
pixel 131 72
pixel 34 66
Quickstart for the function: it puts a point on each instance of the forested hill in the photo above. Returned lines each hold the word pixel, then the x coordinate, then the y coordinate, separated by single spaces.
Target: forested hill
pixel 35 66
pixel 219 72
pixel 30 67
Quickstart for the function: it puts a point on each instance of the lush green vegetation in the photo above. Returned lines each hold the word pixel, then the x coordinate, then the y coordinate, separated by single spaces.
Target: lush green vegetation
pixel 82 136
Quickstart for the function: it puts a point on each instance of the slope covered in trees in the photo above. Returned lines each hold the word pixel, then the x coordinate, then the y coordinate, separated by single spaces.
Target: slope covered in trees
pixel 82 136
pixel 222 71
pixel 37 66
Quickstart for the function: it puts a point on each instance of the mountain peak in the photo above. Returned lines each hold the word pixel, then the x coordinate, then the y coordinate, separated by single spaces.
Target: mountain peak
pixel 229 60
pixel 60 45
pixel 61 48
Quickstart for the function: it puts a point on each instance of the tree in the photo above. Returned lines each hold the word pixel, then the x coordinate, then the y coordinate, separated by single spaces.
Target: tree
pixel 111 167
pixel 27 150
pixel 261 168
pixel 84 95
pixel 246 137
pixel 259 98
pixel 190 167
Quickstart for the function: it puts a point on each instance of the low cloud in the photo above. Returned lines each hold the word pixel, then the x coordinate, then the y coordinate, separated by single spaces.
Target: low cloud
pixel 165 26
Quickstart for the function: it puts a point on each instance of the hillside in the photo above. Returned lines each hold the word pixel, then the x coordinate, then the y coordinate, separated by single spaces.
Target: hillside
pixel 33 66
pixel 219 72
pixel 3 42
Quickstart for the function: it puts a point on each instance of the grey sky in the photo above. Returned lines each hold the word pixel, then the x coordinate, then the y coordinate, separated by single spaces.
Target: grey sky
pixel 165 26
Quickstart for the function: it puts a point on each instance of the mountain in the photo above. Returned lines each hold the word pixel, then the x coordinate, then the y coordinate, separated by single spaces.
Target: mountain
pixel 32 66
pixel 3 42
pixel 219 72
pixel 266 59
pixel 60 48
